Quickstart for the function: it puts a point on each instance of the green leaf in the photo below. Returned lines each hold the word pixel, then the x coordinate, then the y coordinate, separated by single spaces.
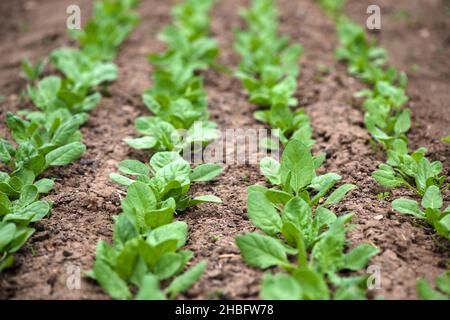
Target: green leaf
pixel 443 226
pixel 270 168
pixel 339 194
pixel 204 199
pixel 432 198
pixel 7 231
pixel 178 170
pixel 324 217
pixel 142 143
pixel 297 167
pixel 206 172
pixel 403 122
pixel 159 217
pixel 65 154
pixel 125 181
pixel 44 185
pixel 66 130
pixel 124 230
pixel 6 262
pixel 168 265
pixel 277 196
pixel 263 214
pixel 141 197
pixel 110 281
pixel 149 289
pixel 312 284
pixel 28 195
pixel 186 280
pixel 359 257
pixel 133 167
pixel 408 206
pixel 299 213
pixel 280 287
pixel 151 254
pixel 176 230
pixel 126 259
pixel 162 159
pixel 261 251
pixel 386 176
pixel 20 237
pixel 443 282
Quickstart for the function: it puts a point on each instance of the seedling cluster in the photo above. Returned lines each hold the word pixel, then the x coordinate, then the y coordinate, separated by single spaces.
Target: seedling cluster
pixel 178 100
pixel 50 136
pixel 146 260
pixel 388 121
pixel 268 71
pixel 302 235
pixel 299 241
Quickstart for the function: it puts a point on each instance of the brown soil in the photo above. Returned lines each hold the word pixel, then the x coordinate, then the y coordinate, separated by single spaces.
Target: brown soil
pixel 85 200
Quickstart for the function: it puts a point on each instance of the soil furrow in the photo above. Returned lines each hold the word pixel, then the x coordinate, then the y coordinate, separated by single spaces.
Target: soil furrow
pixel 85 199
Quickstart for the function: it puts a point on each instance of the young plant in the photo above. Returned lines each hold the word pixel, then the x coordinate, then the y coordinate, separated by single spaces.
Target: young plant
pixel 414 171
pixel 145 258
pixel 56 143
pixel 32 72
pixel 187 39
pixel 170 177
pixel 295 221
pixel 111 23
pixel 177 97
pixel 432 203
pixel 161 135
pixel 384 116
pixel 268 71
pixel 147 241
pixel 53 95
pixel 19 207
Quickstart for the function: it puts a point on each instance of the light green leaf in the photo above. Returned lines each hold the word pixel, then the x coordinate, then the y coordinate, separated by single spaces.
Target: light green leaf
pixel 261 251
pixel 65 154
pixel 270 168
pixel 142 143
pixel 432 198
pixel 408 206
pixel 280 287
pixel 206 172
pixel 133 167
pixel 149 289
pixel 263 214
pixel 186 280
pixel 204 199
pixel 297 165
pixel 339 194
pixel 359 257
pixel 110 281
pixel 176 230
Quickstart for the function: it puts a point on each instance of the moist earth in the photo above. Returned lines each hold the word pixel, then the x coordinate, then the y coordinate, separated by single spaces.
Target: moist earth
pixel 85 200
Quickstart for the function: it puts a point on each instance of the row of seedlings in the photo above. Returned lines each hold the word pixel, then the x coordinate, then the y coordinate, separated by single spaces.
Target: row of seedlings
pixel 48 135
pixel 300 234
pixel 146 259
pixel 388 120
